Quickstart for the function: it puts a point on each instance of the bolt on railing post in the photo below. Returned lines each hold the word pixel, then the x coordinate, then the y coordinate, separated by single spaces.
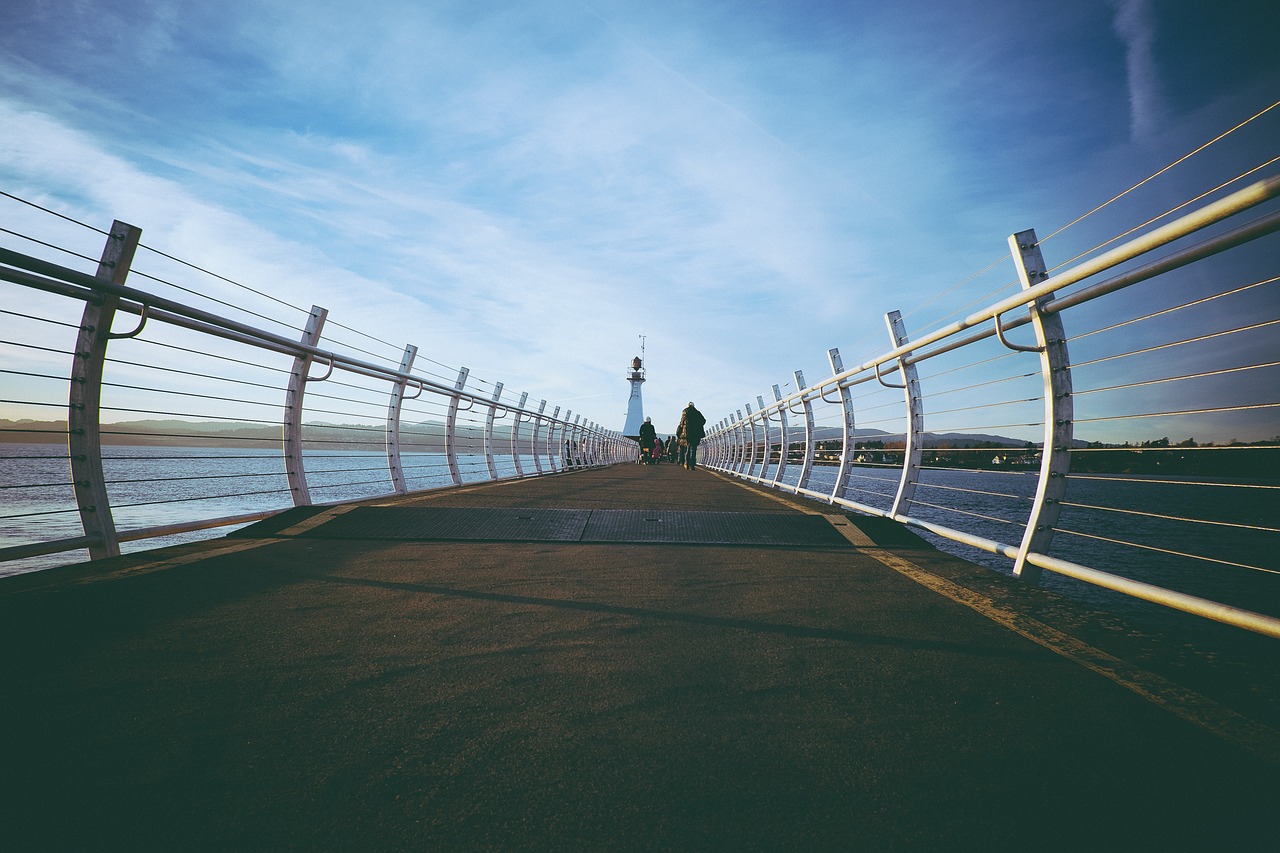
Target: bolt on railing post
pixel 84 396
pixel 783 439
pixel 515 434
pixel 847 427
pixel 489 461
pixel 295 463
pixel 451 428
pixel 1059 408
pixel 912 451
pixel 393 422
pixel 806 465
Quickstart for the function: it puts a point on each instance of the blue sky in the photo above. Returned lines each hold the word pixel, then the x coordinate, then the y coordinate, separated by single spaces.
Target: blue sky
pixel 526 188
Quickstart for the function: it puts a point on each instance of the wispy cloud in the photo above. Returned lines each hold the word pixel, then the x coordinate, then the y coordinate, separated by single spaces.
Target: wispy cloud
pixel 1135 25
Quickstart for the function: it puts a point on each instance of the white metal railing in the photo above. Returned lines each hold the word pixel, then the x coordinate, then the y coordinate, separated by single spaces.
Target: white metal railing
pixel 1199 353
pixel 350 427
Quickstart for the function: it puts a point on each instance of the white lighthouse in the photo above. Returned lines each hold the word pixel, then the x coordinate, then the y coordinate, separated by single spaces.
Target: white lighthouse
pixel 635 406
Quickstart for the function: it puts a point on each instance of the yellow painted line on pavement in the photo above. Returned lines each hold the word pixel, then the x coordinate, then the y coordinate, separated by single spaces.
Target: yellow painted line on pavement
pixel 156 566
pixel 1258 738
pixel 316 520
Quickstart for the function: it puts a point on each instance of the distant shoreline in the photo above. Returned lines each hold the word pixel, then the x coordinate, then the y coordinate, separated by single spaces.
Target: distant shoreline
pixel 1256 463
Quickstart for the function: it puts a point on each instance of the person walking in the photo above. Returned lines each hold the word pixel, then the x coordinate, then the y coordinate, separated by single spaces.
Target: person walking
pixel 648 435
pixel 692 429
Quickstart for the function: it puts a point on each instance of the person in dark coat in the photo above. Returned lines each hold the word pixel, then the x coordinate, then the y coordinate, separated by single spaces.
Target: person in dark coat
pixel 692 429
pixel 648 434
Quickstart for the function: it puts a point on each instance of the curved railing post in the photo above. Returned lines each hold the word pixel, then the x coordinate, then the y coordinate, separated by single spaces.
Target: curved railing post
pixel 572 443
pixel 729 445
pixel 533 441
pixel 393 422
pixel 451 429
pixel 912 450
pixel 295 463
pixel 572 451
pixel 749 469
pixel 583 427
pixel 554 426
pixel 806 464
pixel 740 442
pixel 783 439
pixel 84 396
pixel 576 431
pixel 847 427
pixel 768 444
pixel 489 461
pixel 515 434
pixel 726 442
pixel 1059 408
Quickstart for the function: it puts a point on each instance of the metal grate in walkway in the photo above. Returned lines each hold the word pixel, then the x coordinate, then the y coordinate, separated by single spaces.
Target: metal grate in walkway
pixel 481 524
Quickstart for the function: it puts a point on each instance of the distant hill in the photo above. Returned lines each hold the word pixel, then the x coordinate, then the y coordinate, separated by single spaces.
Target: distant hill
pixel 931 439
pixel 426 437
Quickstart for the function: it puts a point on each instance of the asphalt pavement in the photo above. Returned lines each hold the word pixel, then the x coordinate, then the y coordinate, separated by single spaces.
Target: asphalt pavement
pixel 395 676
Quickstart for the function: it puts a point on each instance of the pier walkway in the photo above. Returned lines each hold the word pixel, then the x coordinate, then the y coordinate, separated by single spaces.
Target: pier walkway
pixel 624 658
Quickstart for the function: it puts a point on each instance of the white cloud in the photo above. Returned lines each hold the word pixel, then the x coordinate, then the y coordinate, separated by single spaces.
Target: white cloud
pixel 1135 25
